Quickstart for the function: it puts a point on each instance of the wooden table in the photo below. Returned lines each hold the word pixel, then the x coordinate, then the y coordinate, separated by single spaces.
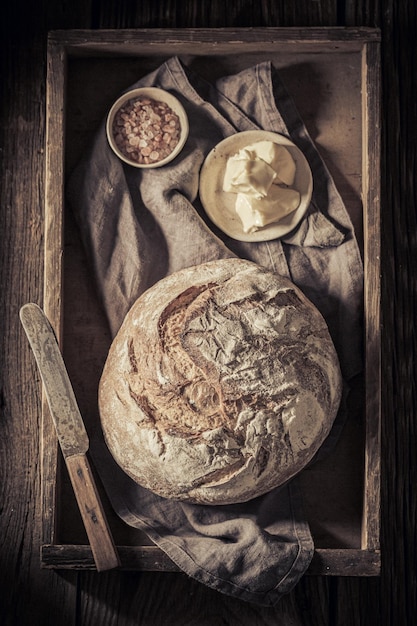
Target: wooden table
pixel 30 595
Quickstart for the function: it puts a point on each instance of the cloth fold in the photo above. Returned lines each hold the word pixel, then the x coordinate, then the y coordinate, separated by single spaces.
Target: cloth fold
pixel 255 551
pixel 140 225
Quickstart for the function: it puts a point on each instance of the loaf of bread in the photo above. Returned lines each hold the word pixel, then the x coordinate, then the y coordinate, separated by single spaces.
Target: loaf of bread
pixel 221 384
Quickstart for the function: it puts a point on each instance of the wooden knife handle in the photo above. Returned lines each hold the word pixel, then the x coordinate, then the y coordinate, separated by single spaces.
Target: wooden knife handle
pixel 98 532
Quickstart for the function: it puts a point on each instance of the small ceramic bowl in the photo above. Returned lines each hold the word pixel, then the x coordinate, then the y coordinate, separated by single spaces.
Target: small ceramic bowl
pixel 147 127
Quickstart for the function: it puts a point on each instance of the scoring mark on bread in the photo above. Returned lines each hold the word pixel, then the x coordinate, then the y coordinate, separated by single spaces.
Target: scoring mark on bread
pixel 202 365
pixel 132 357
pixel 144 405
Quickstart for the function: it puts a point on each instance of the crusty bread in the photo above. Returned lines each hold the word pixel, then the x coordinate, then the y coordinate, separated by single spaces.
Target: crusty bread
pixel 221 384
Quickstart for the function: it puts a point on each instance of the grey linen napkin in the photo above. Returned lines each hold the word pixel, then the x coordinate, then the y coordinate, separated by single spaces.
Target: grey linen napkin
pixel 139 226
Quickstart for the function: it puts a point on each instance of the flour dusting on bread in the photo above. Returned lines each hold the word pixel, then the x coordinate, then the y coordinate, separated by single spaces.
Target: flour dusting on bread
pixel 222 384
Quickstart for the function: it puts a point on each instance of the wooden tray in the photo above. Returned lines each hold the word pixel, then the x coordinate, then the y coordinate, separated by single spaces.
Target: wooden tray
pixel 333 76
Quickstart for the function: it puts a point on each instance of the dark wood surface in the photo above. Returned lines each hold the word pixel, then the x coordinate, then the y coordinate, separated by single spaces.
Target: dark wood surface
pixel 30 595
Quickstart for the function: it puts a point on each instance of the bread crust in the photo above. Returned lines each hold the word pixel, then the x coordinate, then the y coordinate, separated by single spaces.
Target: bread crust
pixel 222 384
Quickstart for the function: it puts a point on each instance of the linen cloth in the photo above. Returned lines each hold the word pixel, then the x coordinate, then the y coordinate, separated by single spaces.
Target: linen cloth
pixel 138 226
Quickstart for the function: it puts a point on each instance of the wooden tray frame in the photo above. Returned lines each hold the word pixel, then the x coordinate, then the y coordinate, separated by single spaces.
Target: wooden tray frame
pixel 61 44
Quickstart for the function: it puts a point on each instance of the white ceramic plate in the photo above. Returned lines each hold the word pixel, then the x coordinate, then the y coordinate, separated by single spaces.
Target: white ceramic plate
pixel 154 93
pixel 220 206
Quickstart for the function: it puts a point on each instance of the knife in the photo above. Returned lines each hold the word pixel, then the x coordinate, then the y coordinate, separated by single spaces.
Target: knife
pixel 71 432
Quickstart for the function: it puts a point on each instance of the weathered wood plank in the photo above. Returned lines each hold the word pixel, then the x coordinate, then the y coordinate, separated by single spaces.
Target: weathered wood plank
pixel 326 562
pixel 28 595
pixel 399 313
pixel 371 198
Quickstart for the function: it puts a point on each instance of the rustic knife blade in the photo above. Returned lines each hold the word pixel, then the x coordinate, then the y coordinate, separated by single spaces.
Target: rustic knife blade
pixel 71 432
